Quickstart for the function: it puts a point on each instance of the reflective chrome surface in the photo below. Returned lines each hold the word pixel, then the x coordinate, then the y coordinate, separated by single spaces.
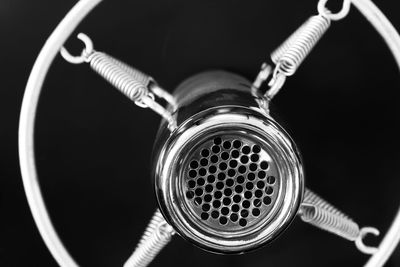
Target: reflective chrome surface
pixel 229 178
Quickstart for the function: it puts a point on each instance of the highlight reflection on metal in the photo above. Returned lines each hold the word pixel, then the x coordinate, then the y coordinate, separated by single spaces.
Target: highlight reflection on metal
pixel 157 234
pixel 229 178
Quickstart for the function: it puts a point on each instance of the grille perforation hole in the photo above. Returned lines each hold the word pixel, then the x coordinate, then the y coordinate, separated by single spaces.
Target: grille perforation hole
pixel 205 152
pixel 230 182
pixel 203 162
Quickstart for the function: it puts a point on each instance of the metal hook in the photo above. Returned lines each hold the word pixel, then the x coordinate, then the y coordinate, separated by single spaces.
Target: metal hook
pixel 85 52
pixel 142 102
pixel 359 241
pixel 276 83
pixel 323 10
pixel 262 76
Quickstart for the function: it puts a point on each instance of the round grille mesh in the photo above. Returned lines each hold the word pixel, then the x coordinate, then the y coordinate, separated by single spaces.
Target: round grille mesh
pixel 230 182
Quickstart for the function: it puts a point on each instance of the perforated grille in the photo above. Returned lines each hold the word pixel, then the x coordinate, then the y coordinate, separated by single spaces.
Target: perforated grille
pixel 230 181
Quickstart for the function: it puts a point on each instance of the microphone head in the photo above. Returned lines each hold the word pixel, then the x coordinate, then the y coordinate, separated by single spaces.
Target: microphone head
pixel 229 179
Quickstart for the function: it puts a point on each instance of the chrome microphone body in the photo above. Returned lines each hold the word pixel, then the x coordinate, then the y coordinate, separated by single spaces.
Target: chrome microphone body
pixel 229 178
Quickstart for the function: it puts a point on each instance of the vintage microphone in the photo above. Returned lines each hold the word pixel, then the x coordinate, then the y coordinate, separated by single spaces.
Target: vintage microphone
pixel 228 178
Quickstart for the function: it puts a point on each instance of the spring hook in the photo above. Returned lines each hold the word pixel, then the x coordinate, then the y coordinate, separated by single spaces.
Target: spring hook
pixel 263 75
pixel 359 241
pixel 85 52
pixel 150 83
pixel 276 83
pixel 157 234
pixel 323 215
pixel 323 10
pixel 131 82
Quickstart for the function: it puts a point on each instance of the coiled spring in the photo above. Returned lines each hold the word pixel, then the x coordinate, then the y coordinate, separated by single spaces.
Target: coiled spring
pixel 320 213
pixel 148 81
pixel 131 82
pixel 157 234
pixel 289 56
pixel 295 49
pixel 323 215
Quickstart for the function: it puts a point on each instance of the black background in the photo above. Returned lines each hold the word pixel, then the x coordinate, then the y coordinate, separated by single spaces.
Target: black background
pixel 93 145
